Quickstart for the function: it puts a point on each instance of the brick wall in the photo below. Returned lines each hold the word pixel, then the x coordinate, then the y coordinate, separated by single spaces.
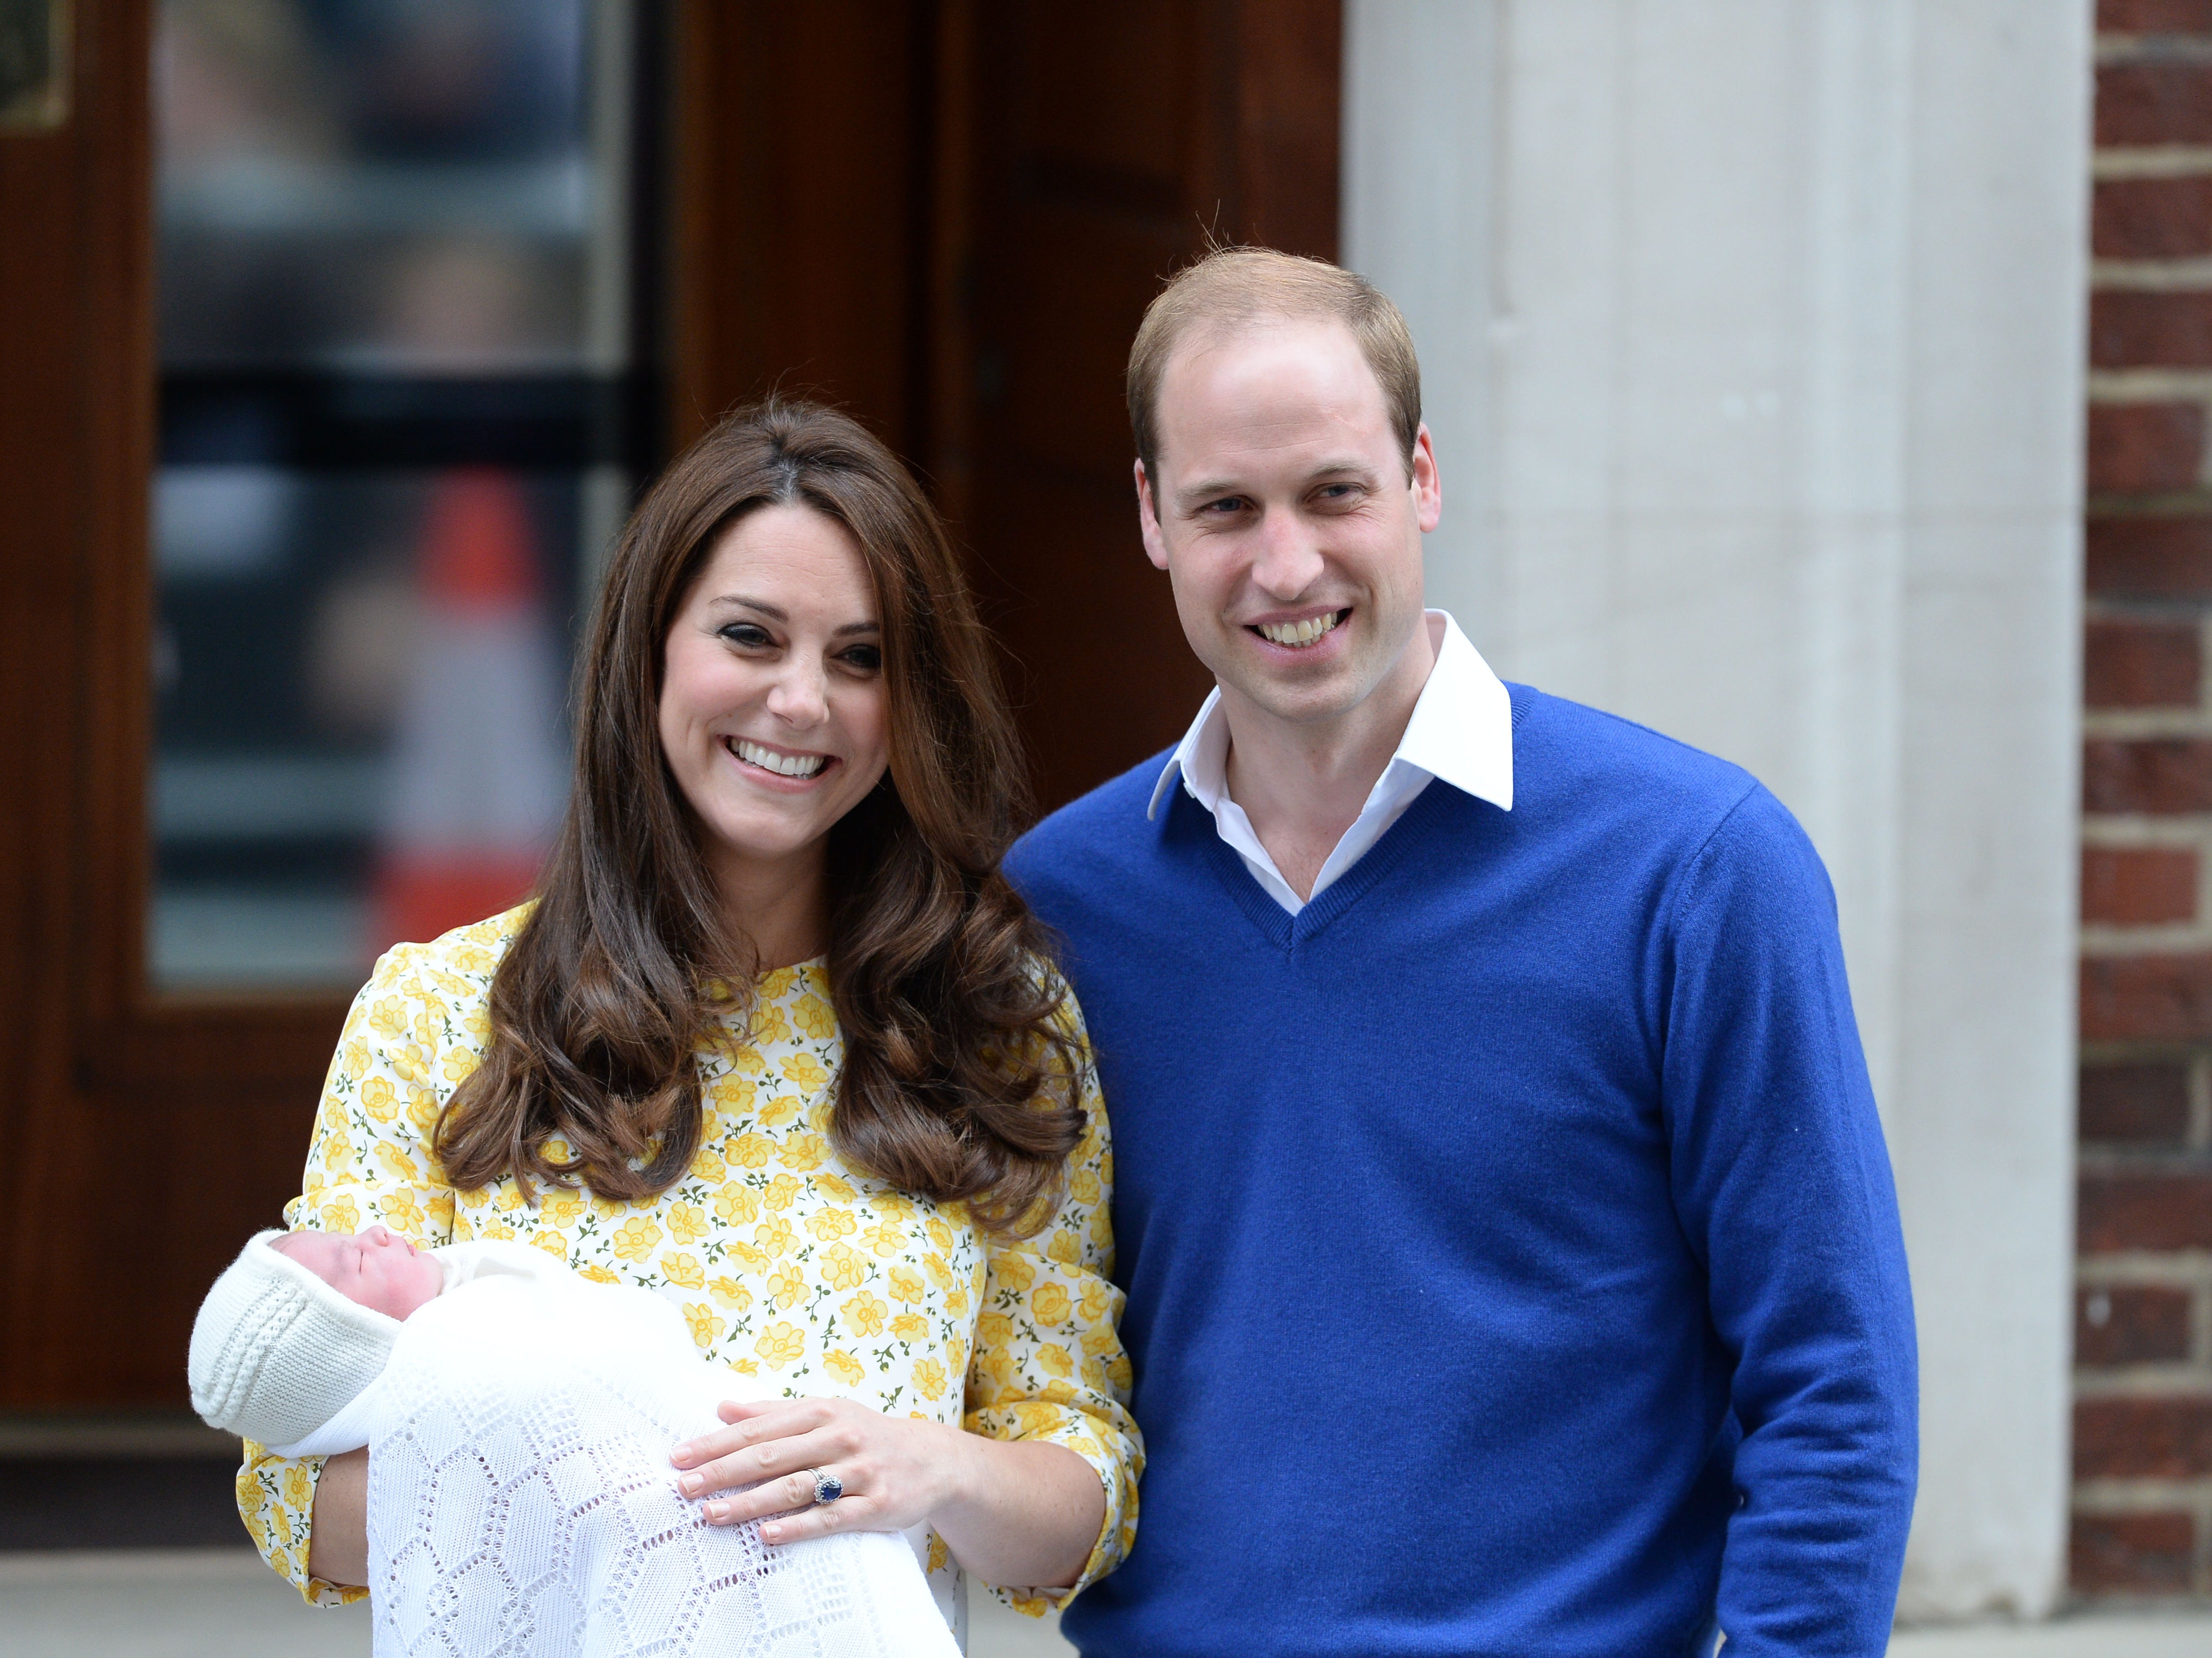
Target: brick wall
pixel 2142 1414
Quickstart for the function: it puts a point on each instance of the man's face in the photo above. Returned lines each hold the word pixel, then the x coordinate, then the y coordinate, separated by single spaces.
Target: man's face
pixel 1285 517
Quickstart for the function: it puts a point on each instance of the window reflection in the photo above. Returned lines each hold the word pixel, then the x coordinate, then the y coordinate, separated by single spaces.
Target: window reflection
pixel 398 419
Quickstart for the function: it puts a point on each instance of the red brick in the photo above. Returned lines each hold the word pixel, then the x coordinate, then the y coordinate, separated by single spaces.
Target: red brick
pixel 2138 886
pixel 2150 328
pixel 2168 1438
pixel 2147 998
pixel 2150 556
pixel 2140 1210
pixel 2132 1553
pixel 2138 1103
pixel 2151 218
pixel 2143 1324
pixel 2155 103
pixel 2145 445
pixel 2132 663
pixel 2159 774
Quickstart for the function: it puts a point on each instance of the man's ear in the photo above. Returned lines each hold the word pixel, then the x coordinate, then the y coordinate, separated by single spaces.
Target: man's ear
pixel 1428 486
pixel 1148 520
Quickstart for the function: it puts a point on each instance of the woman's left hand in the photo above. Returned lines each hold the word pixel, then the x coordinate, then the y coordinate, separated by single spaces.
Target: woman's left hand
pixel 896 1470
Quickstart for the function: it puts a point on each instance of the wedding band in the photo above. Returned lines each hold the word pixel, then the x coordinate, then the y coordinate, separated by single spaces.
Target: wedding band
pixel 828 1488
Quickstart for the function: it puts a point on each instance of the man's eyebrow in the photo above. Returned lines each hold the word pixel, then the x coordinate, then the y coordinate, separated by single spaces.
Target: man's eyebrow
pixel 1351 466
pixel 777 613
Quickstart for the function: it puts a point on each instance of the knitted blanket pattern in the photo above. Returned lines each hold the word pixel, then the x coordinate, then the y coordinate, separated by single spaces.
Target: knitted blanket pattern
pixel 521 1502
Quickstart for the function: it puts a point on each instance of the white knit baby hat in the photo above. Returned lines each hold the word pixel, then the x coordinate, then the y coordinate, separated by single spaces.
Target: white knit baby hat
pixel 276 1353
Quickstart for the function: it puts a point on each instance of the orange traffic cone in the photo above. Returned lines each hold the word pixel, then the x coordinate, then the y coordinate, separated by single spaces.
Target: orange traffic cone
pixel 479 771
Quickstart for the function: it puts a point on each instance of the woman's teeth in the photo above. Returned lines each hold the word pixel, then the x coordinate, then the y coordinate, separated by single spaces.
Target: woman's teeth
pixel 783 765
pixel 1295 633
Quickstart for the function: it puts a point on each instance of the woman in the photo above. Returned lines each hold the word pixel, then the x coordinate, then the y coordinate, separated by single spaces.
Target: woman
pixel 776 1039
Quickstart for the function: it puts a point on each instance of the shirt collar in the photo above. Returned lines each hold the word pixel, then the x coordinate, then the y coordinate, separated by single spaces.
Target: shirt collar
pixel 1461 732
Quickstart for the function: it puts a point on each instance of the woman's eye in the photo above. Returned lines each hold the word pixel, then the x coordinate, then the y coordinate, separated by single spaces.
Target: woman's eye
pixel 748 633
pixel 866 658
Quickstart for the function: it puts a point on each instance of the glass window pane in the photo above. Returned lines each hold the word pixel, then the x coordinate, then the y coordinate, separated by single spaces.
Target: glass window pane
pixel 395 430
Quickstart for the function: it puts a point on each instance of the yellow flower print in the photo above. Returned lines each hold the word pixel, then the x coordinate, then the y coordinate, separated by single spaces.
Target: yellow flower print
pixel 911 1327
pixel 470 959
pixel 993 1330
pixel 770 1025
pixel 335 1150
pixel 886 1239
pixel 1030 1605
pixel 1094 1373
pixel 736 1206
pixel 356 1055
pixel 894 1205
pixel 843 1267
pixel 733 1095
pixel 1049 1305
pixel 782 1191
pixel 864 1312
pixel 956 1301
pixel 410 1064
pixel 744 1366
pixel 1063 1249
pixel 475 1199
pixel 1081 1444
pixel 732 1294
pixel 939 1273
pixel 562 1208
pixel 458 1064
pixel 1082 1186
pixel 597 1274
pixel 752 1260
pixel 706 1328
pixel 496 1232
pixel 683 1271
pixel 1122 1374
pixel 774 1237
pixel 748 1060
pixel 843 1365
pixel 939 1233
pixel 687 1223
pixel 380 1099
pixel 401 1212
pixel 750 1150
pixel 634 1238
pixel 1102 1227
pixel 509 1198
pixel 1014 1272
pixel 552 1243
pixel 779 1344
pixel 780 1110
pixel 1094 1301
pixel 422 1108
pixel 929 1378
pixel 906 1284
pixel 786 1288
pixel 706 1165
pixel 1096 1342
pixel 834 1189
pixel 939 1556
pixel 389 1017
pixel 828 1224
pixel 299 1489
pixel 814 1016
pixel 1054 1358
pixel 778 983
pixel 341 1214
pixel 807 1072
pixel 803 1151
pixel 605 1208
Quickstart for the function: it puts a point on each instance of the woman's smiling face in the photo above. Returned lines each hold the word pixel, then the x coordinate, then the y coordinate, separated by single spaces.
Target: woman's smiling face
pixel 772 705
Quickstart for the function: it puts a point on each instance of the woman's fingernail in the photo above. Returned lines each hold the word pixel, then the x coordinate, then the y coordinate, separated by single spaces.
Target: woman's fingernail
pixel 692 1484
pixel 771 1534
pixel 681 1454
pixel 718 1512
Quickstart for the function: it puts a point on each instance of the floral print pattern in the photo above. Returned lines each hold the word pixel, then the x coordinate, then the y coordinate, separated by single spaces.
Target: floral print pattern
pixel 790 1266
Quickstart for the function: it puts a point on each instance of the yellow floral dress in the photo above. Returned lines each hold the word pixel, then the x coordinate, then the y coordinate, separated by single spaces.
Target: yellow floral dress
pixel 790 1265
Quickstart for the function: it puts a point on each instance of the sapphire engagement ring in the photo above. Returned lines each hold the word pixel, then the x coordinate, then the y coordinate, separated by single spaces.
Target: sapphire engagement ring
pixel 828 1488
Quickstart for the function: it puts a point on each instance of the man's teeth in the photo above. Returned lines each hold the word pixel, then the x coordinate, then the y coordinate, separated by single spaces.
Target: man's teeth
pixel 1300 632
pixel 783 765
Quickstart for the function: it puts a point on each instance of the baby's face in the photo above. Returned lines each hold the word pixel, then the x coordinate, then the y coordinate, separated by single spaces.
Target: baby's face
pixel 375 1268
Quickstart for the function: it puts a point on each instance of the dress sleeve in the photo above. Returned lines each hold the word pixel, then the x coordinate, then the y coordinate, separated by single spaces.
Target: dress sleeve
pixel 1048 1363
pixel 414 1032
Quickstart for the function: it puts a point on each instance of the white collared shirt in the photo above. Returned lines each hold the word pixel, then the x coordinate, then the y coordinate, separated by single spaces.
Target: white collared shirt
pixel 1461 733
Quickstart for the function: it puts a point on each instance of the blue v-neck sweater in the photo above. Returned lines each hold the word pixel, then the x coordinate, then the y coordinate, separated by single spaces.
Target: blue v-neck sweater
pixel 1512 1260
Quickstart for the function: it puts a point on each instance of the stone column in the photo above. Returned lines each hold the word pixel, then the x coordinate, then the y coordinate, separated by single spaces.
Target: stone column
pixel 1752 338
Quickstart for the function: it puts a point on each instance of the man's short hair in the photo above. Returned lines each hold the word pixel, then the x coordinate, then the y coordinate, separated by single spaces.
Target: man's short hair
pixel 1232 286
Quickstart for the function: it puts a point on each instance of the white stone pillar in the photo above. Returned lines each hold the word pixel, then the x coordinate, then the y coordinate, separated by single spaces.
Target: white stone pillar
pixel 1752 341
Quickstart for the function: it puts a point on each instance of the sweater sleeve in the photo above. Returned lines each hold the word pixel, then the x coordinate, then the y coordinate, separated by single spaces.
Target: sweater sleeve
pixel 412 1034
pixel 1048 1363
pixel 1782 1184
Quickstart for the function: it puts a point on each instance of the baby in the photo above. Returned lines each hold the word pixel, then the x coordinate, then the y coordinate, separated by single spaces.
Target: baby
pixel 519 1420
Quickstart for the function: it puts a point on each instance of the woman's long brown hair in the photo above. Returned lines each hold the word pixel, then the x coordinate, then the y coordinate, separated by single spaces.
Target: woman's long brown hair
pixel 958 1082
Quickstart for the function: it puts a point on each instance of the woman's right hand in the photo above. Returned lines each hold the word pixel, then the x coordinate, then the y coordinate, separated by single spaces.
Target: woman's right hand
pixel 338 1540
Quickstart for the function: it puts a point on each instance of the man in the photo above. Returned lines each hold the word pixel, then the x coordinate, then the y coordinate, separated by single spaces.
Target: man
pixel 1512 1260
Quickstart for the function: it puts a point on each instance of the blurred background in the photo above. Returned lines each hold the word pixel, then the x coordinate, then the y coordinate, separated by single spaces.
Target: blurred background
pixel 1821 381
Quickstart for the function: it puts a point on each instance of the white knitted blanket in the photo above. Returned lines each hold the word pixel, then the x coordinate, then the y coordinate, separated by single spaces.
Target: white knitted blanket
pixel 521 1504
